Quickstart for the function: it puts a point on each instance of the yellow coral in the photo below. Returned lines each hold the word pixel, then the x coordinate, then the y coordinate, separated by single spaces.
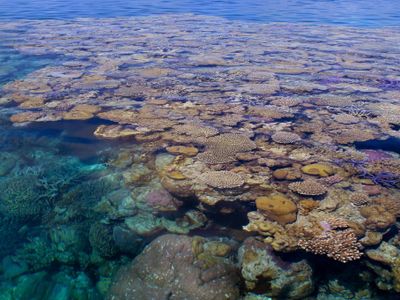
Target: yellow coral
pixel 278 208
pixel 319 169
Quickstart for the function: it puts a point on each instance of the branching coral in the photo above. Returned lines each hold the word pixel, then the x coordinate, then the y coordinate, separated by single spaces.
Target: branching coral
pixel 21 197
pixel 336 241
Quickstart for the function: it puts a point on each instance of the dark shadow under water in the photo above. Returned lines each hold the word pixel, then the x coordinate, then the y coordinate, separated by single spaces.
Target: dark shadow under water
pixel 391 144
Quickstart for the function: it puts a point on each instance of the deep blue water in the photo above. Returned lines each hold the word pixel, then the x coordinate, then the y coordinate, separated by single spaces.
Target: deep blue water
pixel 365 13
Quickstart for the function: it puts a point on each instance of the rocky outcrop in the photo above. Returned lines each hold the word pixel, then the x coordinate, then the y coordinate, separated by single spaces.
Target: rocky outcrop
pixel 178 267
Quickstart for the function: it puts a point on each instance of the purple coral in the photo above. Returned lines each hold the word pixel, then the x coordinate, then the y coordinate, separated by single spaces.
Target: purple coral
pixel 325 226
pixel 384 178
pixel 161 200
pixel 376 155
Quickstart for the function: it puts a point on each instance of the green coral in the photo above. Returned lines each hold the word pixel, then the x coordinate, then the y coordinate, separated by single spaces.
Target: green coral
pixel 21 197
pixel 7 162
pixel 63 245
pixel 101 240
pixel 37 253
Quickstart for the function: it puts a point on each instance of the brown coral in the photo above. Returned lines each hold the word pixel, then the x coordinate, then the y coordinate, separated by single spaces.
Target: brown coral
pixel 346 119
pixel 348 136
pixel 377 217
pixel 308 188
pixel 359 199
pixel 119 115
pixel 283 137
pixel 222 179
pixel 223 148
pixel 114 131
pixel 27 116
pixel 196 130
pixel 341 245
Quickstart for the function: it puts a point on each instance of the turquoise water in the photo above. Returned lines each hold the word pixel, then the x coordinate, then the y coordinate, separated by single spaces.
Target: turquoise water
pixel 241 150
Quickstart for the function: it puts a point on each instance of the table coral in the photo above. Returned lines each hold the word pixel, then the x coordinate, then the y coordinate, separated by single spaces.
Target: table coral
pixel 222 179
pixel 308 188
pixel 283 137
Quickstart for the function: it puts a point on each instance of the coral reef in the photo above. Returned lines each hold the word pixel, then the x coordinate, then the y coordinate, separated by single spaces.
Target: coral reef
pixel 293 141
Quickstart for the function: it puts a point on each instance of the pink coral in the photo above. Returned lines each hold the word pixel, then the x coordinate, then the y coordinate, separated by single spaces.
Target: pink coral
pixel 377 155
pixel 161 200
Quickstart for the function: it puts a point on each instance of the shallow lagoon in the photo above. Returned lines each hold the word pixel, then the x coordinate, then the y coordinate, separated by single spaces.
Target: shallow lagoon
pixel 253 160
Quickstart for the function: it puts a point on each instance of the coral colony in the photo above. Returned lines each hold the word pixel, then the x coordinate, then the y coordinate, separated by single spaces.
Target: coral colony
pixel 225 172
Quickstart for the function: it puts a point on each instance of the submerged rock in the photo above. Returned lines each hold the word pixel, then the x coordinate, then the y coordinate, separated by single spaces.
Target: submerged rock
pixel 176 267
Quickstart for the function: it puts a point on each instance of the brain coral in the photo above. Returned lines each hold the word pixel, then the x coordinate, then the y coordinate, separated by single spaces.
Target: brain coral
pixel 283 137
pixel 222 179
pixel 308 188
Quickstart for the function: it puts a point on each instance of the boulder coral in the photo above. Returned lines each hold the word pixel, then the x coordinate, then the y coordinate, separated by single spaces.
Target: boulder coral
pixel 277 207
pixel 318 169
pixel 177 267
pixel 377 217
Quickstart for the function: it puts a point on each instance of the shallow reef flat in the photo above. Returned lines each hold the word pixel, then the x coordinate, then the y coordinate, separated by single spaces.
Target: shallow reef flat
pixel 261 160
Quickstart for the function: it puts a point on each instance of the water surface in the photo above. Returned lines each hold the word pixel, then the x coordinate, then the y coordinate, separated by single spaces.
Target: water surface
pixel 365 13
